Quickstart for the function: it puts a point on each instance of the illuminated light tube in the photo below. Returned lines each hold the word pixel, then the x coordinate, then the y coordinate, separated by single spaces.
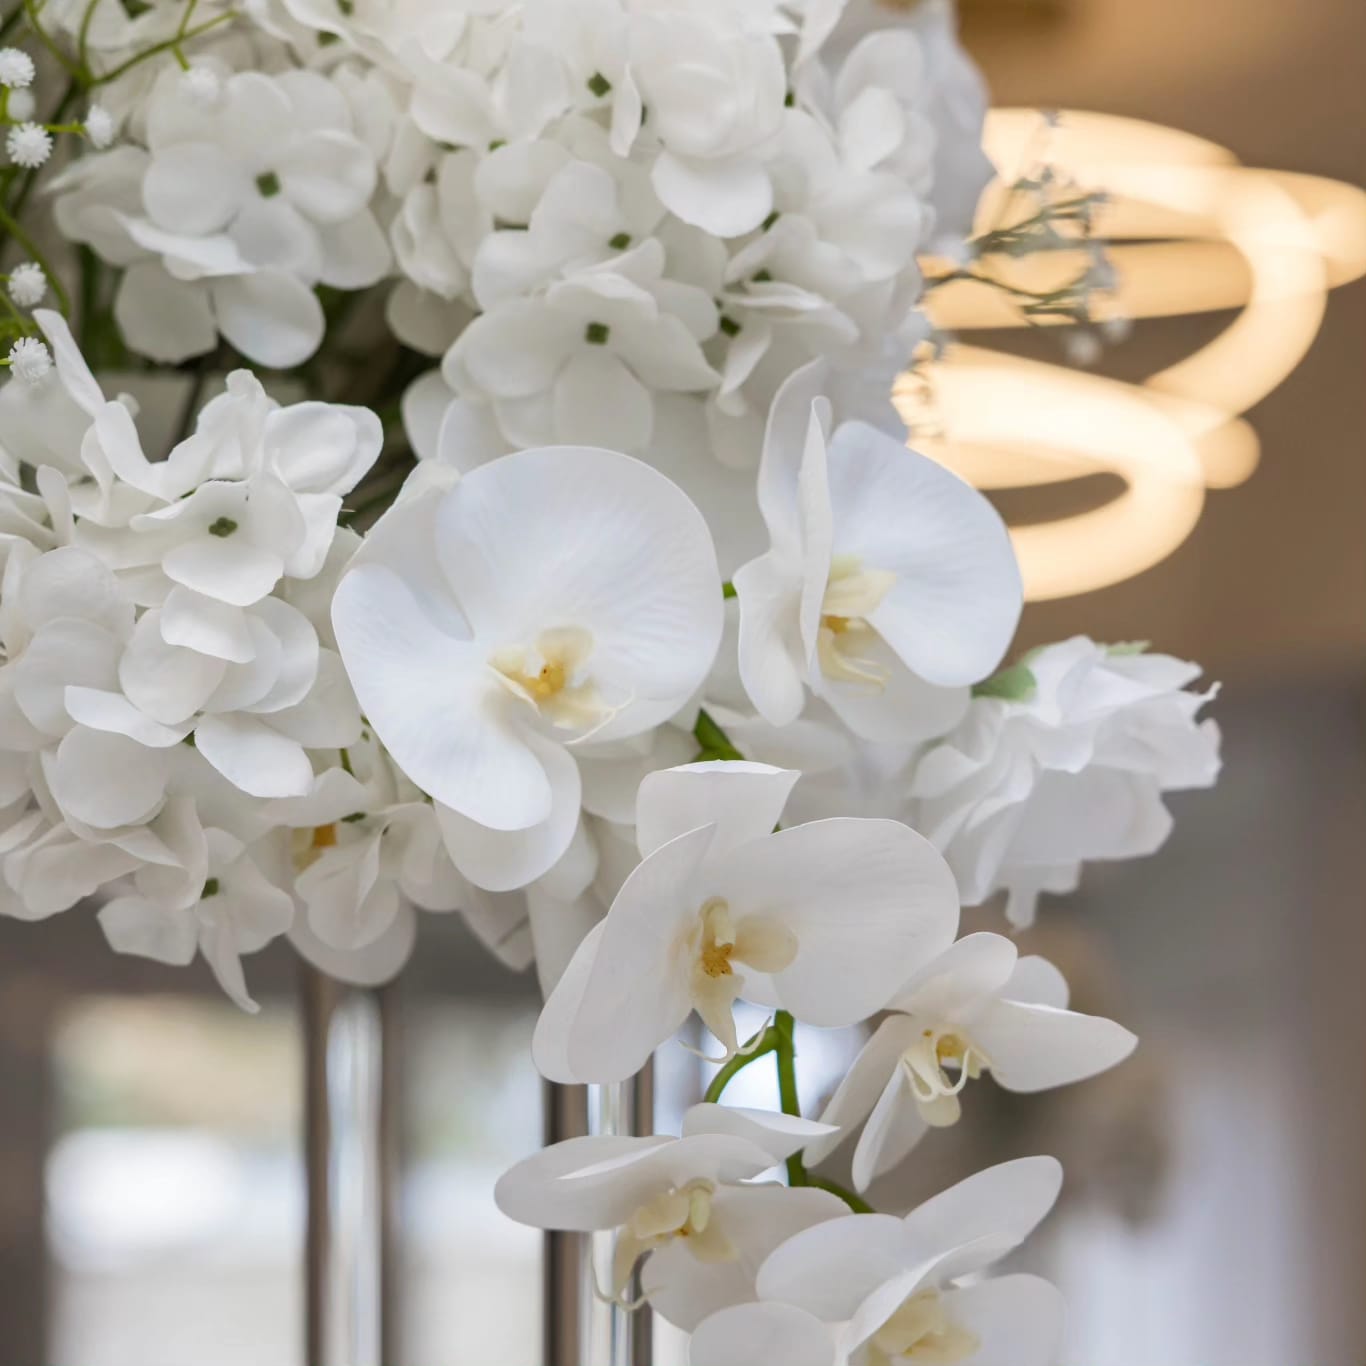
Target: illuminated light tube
pixel 1196 232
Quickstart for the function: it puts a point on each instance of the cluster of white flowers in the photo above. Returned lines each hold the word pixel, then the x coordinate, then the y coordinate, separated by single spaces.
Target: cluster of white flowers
pixel 668 666
pixel 584 208
pixel 170 687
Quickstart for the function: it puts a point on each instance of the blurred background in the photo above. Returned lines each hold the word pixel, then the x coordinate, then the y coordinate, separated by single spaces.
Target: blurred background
pixel 151 1177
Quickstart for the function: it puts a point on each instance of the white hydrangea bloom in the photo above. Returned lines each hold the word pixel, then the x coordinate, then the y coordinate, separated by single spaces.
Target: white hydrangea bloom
pixel 237 911
pixel 1071 764
pixel 158 685
pixel 236 210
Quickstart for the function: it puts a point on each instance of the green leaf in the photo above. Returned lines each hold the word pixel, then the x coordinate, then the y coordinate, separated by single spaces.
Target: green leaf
pixel 1014 684
pixel 1128 647
pixel 714 741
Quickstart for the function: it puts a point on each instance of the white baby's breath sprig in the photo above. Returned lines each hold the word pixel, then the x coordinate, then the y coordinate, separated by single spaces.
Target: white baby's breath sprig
pixel 99 126
pixel 28 144
pixel 202 85
pixel 16 69
pixel 29 360
pixel 27 284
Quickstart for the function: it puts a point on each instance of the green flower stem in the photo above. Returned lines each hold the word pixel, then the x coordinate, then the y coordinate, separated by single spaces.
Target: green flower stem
pixel 768 1042
pixel 170 45
pixel 786 1051
pixel 27 179
pixel 11 225
pixel 779 1037
pixel 855 1203
pixel 83 38
pixel 67 65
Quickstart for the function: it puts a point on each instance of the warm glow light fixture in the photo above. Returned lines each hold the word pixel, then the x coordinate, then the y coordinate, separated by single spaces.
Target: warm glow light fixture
pixel 1193 232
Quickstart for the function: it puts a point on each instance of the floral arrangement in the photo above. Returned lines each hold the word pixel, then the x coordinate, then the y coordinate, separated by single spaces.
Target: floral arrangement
pixel 533 538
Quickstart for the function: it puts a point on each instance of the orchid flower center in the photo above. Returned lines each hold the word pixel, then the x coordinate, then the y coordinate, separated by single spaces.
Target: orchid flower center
pixel 921 1332
pixel 307 846
pixel 679 1212
pixel 935 1091
pixel 852 592
pixel 552 676
pixel 718 941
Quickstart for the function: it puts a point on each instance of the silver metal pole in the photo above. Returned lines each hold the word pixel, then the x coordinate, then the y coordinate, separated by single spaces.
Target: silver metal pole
pixel 566 1273
pixel 580 1329
pixel 642 1087
pixel 351 1125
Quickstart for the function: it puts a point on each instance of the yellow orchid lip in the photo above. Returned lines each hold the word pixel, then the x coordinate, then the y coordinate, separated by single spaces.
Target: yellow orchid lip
pixel 719 941
pixel 921 1332
pixel 852 593
pixel 678 1213
pixel 552 675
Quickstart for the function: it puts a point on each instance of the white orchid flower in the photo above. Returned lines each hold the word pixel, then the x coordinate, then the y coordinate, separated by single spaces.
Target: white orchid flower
pixel 823 920
pixel 874 1290
pixel 548 597
pixel 889 587
pixel 977 1008
pixel 687 1204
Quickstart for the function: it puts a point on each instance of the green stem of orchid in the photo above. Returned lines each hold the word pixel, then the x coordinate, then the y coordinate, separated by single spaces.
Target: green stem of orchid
pixel 767 1043
pixel 786 1055
pixel 856 1203
pixel 779 1038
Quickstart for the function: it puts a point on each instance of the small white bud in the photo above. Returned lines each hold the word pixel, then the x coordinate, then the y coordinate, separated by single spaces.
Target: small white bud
pixel 16 68
pixel 99 126
pixel 30 360
pixel 21 105
pixel 1081 346
pixel 27 285
pixel 28 144
pixel 202 86
pixel 1117 329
